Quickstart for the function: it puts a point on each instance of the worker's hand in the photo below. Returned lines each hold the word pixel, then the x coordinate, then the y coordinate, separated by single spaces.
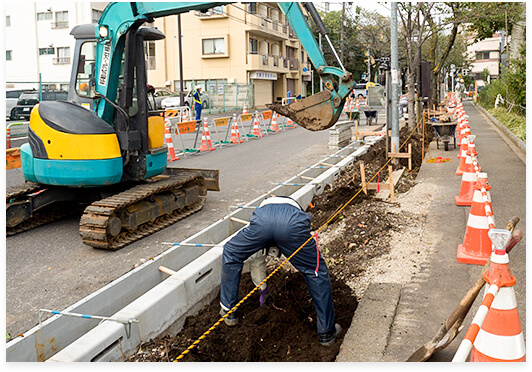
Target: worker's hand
pixel 263 296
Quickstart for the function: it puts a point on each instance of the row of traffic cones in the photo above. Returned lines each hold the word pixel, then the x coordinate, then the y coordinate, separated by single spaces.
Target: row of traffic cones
pixel 497 337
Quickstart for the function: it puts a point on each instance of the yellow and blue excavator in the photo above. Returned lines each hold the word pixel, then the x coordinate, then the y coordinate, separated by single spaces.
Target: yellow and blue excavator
pixel 104 149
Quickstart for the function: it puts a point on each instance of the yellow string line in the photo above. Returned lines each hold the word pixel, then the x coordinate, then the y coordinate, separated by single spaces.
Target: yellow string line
pixel 195 343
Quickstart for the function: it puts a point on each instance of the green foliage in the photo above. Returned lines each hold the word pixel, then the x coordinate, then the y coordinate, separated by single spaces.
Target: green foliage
pixel 484 75
pixel 486 18
pixel 515 78
pixel 488 94
pixel 516 123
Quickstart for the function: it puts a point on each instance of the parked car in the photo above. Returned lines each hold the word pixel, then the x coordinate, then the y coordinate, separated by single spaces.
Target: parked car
pixel 12 95
pixel 28 100
pixel 158 96
pixel 173 100
pixel 360 90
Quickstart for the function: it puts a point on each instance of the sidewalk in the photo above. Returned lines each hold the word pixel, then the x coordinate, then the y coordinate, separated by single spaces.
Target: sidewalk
pixel 393 320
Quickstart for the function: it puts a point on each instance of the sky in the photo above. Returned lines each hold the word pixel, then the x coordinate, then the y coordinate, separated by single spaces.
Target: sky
pixel 382 7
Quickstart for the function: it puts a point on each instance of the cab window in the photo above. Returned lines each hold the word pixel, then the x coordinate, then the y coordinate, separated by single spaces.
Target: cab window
pixel 85 81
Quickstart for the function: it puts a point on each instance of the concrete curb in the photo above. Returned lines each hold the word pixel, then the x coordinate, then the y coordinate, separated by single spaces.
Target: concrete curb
pixel 518 142
pixel 367 337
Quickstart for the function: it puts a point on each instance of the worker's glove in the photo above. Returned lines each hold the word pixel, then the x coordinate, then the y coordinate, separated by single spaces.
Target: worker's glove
pixel 274 251
pixel 263 296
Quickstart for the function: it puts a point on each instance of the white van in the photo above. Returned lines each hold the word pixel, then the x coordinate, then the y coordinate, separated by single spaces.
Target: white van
pixel 12 95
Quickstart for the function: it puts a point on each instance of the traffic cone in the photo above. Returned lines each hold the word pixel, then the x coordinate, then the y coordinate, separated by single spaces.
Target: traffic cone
pixel 466 131
pixel 273 126
pixel 206 144
pixel 256 127
pixel 168 139
pixel 347 103
pixel 468 142
pixel 290 124
pixel 476 247
pixel 244 110
pixel 500 337
pixel 184 116
pixel 235 135
pixel 469 177
pixel 357 105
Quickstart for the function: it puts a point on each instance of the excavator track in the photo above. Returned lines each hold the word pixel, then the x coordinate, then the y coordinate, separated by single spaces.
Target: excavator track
pixel 96 224
pixel 19 192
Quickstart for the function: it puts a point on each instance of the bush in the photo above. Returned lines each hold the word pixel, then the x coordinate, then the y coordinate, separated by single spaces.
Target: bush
pixel 488 94
pixel 516 123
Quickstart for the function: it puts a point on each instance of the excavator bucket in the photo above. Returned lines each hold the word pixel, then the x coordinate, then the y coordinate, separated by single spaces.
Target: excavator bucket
pixel 313 113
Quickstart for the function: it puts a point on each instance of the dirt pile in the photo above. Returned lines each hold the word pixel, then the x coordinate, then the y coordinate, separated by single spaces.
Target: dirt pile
pixel 285 329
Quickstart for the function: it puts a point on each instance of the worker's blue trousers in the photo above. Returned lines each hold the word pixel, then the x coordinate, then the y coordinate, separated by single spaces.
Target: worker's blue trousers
pixel 286 227
pixel 198 113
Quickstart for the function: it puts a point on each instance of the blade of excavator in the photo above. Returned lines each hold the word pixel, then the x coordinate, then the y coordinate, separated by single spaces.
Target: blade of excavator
pixel 313 113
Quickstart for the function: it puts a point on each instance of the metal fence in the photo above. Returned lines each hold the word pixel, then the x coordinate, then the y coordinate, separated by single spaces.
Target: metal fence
pixel 221 96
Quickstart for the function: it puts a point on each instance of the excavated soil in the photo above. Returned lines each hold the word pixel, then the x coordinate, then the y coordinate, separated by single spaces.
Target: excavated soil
pixel 284 329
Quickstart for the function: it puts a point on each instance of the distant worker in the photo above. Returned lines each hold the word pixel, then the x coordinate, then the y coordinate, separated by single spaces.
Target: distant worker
pixel 281 222
pixel 460 89
pixel 197 104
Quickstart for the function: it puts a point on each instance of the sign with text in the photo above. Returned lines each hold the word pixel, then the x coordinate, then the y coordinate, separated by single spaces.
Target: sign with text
pixel 187 126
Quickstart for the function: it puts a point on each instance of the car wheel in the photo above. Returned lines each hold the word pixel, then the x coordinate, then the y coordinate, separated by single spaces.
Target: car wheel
pixel 204 104
pixel 13 116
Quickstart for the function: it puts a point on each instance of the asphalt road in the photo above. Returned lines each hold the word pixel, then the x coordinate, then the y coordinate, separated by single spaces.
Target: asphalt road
pixel 49 267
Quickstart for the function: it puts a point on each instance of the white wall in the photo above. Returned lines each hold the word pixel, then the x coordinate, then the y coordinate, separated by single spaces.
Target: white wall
pixel 26 35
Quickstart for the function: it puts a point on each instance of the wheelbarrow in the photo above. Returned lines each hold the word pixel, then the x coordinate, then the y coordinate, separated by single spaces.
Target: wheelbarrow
pixel 370 115
pixel 444 132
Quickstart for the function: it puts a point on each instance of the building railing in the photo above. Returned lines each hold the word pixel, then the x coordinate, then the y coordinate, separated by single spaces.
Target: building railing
pixel 291 63
pixel 61 60
pixel 59 24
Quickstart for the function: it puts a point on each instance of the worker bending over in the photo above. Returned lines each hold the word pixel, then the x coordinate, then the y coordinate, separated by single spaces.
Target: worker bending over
pixel 281 222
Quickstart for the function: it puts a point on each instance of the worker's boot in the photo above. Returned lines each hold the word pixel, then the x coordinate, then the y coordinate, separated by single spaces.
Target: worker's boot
pixel 232 319
pixel 327 338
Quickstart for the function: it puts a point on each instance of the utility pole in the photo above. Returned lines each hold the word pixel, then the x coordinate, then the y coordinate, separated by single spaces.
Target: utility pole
pixel 369 66
pixel 181 88
pixel 395 79
pixel 342 34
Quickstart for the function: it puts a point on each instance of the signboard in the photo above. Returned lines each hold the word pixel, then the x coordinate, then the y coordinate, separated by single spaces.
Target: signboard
pixel 221 121
pixel 246 117
pixel 187 126
pixel 262 75
pixel 267 114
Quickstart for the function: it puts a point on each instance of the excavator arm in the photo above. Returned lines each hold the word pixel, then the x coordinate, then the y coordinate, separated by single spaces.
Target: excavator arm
pixel 316 112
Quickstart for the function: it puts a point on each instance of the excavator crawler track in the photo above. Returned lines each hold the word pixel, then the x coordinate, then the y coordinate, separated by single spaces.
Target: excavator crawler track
pixel 97 220
pixel 20 192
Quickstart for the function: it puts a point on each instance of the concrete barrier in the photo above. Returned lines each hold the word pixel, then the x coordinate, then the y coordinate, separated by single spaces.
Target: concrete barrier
pixel 160 302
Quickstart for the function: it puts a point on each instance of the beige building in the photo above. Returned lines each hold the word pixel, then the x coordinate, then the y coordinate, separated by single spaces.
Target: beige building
pixel 237 43
pixel 486 55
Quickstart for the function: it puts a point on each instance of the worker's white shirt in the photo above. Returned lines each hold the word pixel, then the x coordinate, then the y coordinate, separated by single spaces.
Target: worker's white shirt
pixel 278 200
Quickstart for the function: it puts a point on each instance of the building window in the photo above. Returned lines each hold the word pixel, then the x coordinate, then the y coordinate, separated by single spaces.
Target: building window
pixel 96 14
pixel 482 55
pixel 214 46
pixel 218 9
pixel 8 21
pixel 253 49
pixel 46 51
pixel 8 55
pixel 61 20
pixel 63 56
pixel 44 16
pixel 252 8
pixel 150 55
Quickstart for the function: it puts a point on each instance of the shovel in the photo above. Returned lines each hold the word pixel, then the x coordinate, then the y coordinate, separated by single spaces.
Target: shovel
pixel 314 113
pixel 453 325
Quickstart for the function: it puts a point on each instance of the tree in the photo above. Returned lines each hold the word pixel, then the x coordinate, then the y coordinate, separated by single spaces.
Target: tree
pixel 374 31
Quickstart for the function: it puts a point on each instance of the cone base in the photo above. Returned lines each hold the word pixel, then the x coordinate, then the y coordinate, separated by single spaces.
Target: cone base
pixel 207 149
pixel 477 356
pixel 463 201
pixel 463 257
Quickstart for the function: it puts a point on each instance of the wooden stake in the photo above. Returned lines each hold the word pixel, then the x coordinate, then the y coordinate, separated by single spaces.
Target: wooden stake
pixel 239 220
pixel 390 170
pixel 166 270
pixel 363 177
pixel 410 158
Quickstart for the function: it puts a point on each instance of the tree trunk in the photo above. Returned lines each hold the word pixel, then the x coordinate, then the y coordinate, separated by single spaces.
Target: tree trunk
pixel 410 76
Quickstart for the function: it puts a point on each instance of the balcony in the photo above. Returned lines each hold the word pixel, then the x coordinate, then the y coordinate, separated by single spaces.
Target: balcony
pixel 292 64
pixel 265 62
pixel 267 27
pixel 61 60
pixel 59 24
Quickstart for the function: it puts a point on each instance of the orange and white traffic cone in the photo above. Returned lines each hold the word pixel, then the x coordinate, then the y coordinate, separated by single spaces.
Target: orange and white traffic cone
pixel 206 144
pixel 244 110
pixel 470 145
pixel 476 247
pixel 273 126
pixel 235 135
pixel 290 124
pixel 500 338
pixel 357 105
pixel 464 132
pixel 346 105
pixel 469 177
pixel 256 127
pixel 168 139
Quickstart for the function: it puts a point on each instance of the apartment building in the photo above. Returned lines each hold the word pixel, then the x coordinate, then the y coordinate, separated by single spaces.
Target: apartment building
pixel 486 54
pixel 38 40
pixel 239 43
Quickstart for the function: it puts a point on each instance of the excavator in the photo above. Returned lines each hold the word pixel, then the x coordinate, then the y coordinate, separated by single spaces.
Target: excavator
pixel 103 149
